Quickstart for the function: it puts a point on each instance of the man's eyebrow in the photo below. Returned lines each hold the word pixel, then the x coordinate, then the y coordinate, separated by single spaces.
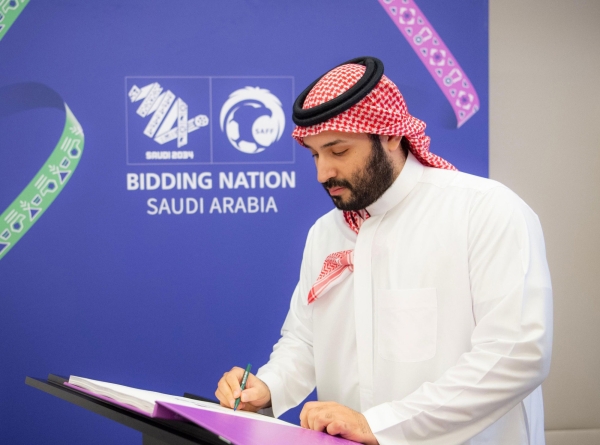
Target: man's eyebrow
pixel 328 144
pixel 332 143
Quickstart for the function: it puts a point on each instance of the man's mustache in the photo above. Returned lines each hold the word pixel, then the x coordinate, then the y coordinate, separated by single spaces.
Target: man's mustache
pixel 330 183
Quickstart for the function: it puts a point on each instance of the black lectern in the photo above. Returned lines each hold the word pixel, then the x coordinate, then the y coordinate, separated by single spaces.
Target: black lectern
pixel 154 431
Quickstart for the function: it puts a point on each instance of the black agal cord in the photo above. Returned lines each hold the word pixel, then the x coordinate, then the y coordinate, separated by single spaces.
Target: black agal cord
pixel 329 109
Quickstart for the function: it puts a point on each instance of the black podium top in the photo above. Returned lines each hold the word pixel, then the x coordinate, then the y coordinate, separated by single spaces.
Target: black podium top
pixel 155 431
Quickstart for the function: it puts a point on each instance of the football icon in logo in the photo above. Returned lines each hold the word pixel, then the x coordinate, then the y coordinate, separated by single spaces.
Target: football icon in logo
pixel 253 119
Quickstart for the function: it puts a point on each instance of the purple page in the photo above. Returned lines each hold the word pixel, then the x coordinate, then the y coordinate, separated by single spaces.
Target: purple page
pixel 244 431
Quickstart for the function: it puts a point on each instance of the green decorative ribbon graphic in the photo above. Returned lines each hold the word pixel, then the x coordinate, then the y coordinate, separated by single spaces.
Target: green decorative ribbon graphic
pixel 52 178
pixel 9 11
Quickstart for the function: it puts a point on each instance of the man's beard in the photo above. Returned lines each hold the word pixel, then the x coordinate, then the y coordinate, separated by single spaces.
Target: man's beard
pixel 366 186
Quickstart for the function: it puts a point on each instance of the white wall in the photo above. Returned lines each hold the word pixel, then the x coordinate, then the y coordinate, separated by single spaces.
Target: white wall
pixel 545 145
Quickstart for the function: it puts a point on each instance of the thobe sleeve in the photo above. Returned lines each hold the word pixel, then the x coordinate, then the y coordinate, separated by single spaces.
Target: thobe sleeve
pixel 290 372
pixel 510 344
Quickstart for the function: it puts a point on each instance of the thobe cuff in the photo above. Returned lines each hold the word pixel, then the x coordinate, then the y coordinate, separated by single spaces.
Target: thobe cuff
pixel 279 405
pixel 380 419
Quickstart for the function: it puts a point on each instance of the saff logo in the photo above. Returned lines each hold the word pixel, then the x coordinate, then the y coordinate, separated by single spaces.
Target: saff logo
pixel 254 121
pixel 169 120
pixel 248 105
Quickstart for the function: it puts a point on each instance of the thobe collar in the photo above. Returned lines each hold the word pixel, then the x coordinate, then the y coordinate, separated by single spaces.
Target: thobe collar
pixel 401 187
pixel 406 181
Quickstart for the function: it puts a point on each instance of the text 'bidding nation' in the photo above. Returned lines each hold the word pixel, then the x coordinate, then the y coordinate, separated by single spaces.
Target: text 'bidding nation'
pixel 205 180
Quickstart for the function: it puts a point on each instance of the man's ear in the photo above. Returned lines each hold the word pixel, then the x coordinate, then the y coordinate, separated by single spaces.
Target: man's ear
pixel 391 143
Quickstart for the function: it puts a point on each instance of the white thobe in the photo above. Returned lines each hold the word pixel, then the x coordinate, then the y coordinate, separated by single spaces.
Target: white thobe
pixel 443 333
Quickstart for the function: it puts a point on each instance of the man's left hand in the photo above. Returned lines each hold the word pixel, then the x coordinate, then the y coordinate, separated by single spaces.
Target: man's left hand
pixel 336 419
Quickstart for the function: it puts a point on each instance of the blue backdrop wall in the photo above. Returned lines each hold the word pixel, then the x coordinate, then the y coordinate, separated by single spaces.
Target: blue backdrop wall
pixel 174 236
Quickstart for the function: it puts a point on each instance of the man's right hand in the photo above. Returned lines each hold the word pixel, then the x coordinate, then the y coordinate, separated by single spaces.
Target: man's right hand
pixel 256 395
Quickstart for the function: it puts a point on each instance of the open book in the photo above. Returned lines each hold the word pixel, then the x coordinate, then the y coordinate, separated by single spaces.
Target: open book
pixel 145 402
pixel 237 427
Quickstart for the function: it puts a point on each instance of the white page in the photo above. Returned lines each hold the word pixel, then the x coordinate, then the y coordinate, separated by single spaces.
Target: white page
pixel 221 409
pixel 146 400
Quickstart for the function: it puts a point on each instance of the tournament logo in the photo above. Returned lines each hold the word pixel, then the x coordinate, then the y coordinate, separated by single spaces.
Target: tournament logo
pixel 169 113
pixel 168 120
pixel 253 119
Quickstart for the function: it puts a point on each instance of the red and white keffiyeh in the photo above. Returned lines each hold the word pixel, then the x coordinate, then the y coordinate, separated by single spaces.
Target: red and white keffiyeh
pixel 338 265
pixel 383 112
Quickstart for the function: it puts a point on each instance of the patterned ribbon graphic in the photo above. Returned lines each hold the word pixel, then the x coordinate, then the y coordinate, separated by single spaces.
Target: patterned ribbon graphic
pixel 51 179
pixel 436 57
pixel 9 11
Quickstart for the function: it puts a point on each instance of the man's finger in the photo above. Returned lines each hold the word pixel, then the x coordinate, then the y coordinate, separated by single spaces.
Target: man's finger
pixel 322 419
pixel 303 416
pixel 311 416
pixel 254 382
pixel 311 405
pixel 233 379
pixel 337 427
pixel 221 398
pixel 251 394
pixel 237 371
pixel 225 389
pixel 241 406
pixel 309 409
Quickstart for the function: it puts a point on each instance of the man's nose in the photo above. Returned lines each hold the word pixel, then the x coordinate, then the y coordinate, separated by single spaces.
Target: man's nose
pixel 325 170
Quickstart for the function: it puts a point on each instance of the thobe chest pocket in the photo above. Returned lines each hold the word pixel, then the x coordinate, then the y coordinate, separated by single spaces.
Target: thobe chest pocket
pixel 406 324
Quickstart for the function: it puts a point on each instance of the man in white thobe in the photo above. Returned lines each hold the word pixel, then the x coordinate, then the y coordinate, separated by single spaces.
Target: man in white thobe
pixel 423 313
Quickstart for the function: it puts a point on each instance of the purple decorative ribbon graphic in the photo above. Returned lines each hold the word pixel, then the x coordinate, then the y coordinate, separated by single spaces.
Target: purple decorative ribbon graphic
pixel 436 56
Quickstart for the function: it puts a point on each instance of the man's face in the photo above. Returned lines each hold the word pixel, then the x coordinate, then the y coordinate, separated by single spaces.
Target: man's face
pixel 353 169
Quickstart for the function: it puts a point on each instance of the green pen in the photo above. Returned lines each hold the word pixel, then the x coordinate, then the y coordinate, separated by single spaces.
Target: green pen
pixel 243 386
